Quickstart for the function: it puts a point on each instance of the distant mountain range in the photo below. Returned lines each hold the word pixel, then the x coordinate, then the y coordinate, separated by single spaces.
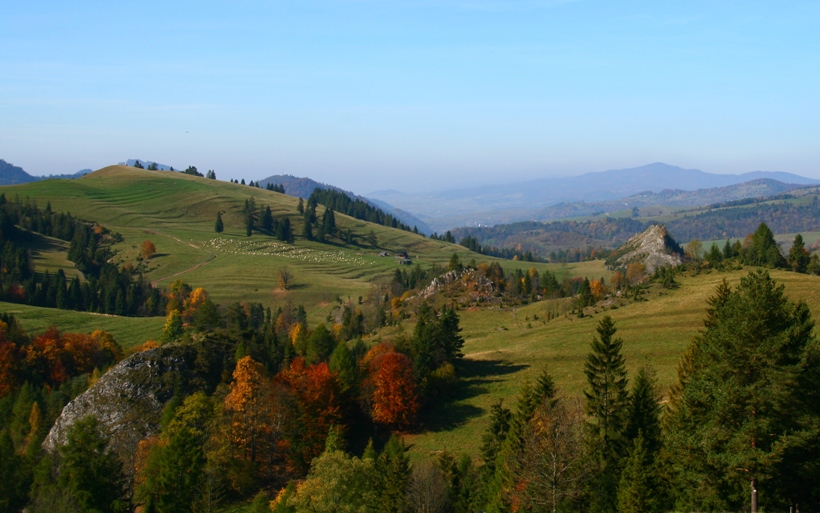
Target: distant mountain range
pixel 11 174
pixel 304 187
pixel 489 205
pixel 669 198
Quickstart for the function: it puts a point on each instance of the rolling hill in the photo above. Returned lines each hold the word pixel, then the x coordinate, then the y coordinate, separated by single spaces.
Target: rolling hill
pixel 177 213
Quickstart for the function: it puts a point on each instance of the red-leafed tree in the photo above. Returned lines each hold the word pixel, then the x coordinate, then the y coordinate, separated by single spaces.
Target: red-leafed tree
pixel 9 363
pixel 318 397
pixel 394 392
pixel 54 357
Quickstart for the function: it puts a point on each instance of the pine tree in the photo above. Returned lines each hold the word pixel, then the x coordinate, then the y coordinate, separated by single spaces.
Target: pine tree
pixel 218 226
pixel 90 470
pixel 607 395
pixel 495 435
pixel 329 222
pixel 637 491
pixel 747 405
pixel 12 483
pixel 267 220
pixel 799 257
pixel 607 400
pixel 174 473
pixel 643 412
pixel 393 466
pixel 284 232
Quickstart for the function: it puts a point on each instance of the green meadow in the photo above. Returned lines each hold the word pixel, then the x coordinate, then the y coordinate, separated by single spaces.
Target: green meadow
pixel 177 213
pixel 504 346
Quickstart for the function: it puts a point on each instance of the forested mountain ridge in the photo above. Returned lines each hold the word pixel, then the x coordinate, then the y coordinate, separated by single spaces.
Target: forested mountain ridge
pixel 512 202
pixel 304 187
pixel 797 210
pixel 758 188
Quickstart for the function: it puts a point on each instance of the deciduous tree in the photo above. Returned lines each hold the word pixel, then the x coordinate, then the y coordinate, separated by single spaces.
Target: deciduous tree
pixel 148 249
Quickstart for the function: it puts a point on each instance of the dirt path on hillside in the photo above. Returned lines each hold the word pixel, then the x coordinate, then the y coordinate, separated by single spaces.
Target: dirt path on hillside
pixel 211 256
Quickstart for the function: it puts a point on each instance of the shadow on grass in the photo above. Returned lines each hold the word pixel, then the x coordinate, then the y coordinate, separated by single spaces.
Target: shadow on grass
pixel 474 376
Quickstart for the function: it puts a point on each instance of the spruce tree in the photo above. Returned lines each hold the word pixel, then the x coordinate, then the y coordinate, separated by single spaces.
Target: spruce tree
pixel 267 220
pixel 637 491
pixel 607 401
pixel 643 412
pixel 90 470
pixel 393 467
pixel 607 396
pixel 174 473
pixel 218 226
pixel 799 257
pixel 745 411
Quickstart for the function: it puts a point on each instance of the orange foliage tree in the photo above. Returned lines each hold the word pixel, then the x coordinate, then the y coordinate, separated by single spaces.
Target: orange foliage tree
pixel 193 302
pixel 597 289
pixel 318 399
pixel 395 394
pixel 54 357
pixel 246 403
pixel 148 249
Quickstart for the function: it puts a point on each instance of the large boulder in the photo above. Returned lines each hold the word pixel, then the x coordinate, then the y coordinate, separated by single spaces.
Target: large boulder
pixel 128 399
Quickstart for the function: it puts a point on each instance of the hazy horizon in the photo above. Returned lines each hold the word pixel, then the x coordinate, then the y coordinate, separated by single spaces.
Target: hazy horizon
pixel 412 95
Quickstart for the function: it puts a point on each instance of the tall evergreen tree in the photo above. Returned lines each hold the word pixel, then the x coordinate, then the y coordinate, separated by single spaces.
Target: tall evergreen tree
pixel 267 220
pixel 637 492
pixel 746 410
pixel 90 470
pixel 393 467
pixel 174 473
pixel 329 222
pixel 607 396
pixel 607 401
pixel 643 412
pixel 799 257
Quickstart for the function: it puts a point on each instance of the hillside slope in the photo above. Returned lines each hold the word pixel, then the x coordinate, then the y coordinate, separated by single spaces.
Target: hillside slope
pixel 177 213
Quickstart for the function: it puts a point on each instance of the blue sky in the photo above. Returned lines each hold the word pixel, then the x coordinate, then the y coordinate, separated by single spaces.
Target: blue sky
pixel 411 95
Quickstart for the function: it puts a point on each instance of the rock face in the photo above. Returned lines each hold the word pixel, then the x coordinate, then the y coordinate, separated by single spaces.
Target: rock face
pixel 478 286
pixel 128 399
pixel 654 248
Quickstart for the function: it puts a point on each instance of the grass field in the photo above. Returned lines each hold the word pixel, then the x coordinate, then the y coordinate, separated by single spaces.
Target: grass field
pixel 128 331
pixel 503 348
pixel 177 213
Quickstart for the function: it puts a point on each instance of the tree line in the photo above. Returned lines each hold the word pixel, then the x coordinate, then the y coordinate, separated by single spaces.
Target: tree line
pixel 356 208
pixel 106 289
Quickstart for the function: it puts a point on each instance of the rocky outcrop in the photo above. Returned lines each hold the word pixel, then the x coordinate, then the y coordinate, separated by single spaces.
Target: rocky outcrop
pixel 654 248
pixel 128 399
pixel 476 284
